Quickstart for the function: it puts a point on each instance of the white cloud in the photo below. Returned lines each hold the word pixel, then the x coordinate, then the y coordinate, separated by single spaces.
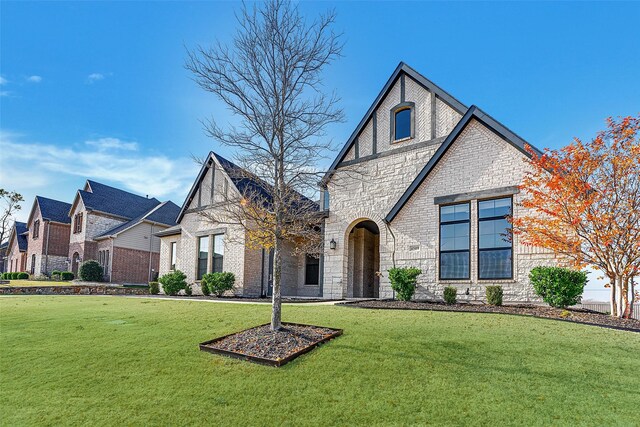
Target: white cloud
pixel 40 166
pixel 105 144
pixel 5 93
pixel 94 77
pixel 3 81
pixel 34 79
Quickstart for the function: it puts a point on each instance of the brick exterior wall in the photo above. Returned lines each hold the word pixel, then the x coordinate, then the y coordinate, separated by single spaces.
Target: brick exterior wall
pixel 51 247
pixel 132 266
pixel 16 260
pixel 478 160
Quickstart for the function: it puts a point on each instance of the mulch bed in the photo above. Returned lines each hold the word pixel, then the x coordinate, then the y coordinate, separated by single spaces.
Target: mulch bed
pixel 273 348
pixel 576 315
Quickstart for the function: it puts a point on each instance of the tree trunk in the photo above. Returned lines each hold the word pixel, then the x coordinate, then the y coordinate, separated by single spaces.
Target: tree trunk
pixel 276 311
pixel 613 285
pixel 624 297
pixel 633 297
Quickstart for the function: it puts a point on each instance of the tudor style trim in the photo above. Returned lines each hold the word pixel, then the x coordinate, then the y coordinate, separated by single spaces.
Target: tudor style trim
pixel 401 69
pixel 473 113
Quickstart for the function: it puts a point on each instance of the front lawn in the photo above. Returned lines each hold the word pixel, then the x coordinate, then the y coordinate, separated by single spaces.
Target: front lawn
pixel 135 361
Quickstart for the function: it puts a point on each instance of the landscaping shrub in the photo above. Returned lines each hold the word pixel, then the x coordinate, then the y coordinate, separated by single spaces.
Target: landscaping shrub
pixel 188 290
pixel 154 288
pixel 204 285
pixel 66 275
pixel 23 276
pixel 14 275
pixel 55 274
pixel 403 281
pixel 450 295
pixel 494 295
pixel 173 282
pixel 559 287
pixel 218 283
pixel 91 271
pixel 5 276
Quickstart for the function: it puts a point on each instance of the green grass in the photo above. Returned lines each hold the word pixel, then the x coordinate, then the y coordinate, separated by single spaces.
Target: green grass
pixel 26 282
pixel 124 361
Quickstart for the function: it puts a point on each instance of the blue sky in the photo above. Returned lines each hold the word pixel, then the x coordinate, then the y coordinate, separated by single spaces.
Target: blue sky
pixel 98 90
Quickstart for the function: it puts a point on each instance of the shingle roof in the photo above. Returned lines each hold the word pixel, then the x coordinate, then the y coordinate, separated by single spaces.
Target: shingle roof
pixel 114 201
pixel 54 210
pixel 165 213
pixel 21 234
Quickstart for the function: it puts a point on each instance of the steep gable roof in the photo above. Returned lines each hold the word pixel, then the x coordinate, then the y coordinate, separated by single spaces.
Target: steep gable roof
pixel 473 113
pixel 52 210
pixel 20 232
pixel 165 214
pixel 244 182
pixel 111 200
pixel 402 68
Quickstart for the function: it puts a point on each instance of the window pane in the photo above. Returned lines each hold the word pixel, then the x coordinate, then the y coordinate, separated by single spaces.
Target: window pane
pixel 494 234
pixel 403 124
pixel 454 212
pixel 492 208
pixel 454 237
pixel 312 270
pixel 495 264
pixel 203 256
pixel 218 253
pixel 454 265
pixel 173 255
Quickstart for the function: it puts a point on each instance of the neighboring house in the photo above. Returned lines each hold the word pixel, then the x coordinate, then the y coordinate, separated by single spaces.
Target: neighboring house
pixel 4 248
pixel 196 246
pixel 423 181
pixel 49 227
pixel 17 244
pixel 116 228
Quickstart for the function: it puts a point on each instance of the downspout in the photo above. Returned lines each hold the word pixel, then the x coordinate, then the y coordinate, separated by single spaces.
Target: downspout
pixel 150 252
pixel 46 250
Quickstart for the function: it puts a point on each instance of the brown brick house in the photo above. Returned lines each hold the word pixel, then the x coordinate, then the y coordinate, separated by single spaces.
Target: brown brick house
pixel 48 237
pixel 116 228
pixel 17 248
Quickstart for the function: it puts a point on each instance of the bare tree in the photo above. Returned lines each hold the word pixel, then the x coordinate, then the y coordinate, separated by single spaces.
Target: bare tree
pixel 270 78
pixel 11 201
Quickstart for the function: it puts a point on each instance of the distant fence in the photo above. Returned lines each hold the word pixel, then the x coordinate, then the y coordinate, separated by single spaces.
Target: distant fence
pixel 604 307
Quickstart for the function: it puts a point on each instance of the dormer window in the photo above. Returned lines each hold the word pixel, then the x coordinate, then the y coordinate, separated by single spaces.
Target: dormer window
pixel 402 121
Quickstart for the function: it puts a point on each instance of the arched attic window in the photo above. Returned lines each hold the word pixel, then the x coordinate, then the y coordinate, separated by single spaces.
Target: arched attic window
pixel 402 121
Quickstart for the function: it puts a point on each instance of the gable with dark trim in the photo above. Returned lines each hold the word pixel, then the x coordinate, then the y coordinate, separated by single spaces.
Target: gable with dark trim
pixel 401 70
pixel 473 113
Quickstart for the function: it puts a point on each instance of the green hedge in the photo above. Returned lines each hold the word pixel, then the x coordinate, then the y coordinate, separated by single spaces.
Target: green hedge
pixel 494 295
pixel 217 283
pixel 66 275
pixel 403 281
pixel 23 276
pixel 172 283
pixel 450 295
pixel 154 288
pixel 558 287
pixel 91 271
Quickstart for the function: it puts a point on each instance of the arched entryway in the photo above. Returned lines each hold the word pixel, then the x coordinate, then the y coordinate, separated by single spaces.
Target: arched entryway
pixel 75 262
pixel 363 261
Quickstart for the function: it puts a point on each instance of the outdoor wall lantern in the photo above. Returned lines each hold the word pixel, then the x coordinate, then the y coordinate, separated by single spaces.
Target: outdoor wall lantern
pixel 332 244
pixel 467 292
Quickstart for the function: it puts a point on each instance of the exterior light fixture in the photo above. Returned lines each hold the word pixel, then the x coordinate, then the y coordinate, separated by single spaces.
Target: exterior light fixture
pixel 467 292
pixel 332 244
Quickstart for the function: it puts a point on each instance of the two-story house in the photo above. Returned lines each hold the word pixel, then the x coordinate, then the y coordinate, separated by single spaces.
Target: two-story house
pixel 117 228
pixel 49 227
pixel 423 181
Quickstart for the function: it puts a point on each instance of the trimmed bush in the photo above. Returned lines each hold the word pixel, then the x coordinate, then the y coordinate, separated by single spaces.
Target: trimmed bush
pixel 494 295
pixel 55 274
pixel 559 287
pixel 14 275
pixel 23 276
pixel 91 271
pixel 204 285
pixel 173 282
pixel 5 276
pixel 403 281
pixel 218 283
pixel 66 275
pixel 450 295
pixel 188 290
pixel 154 288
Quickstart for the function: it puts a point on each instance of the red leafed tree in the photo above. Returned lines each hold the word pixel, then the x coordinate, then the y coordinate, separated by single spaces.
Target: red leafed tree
pixel 584 204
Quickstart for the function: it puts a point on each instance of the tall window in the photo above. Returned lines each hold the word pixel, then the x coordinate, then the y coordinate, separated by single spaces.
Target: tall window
pixel 77 223
pixel 312 270
pixel 106 262
pixel 218 253
pixel 203 256
pixel 454 242
pixel 495 249
pixel 36 229
pixel 173 255
pixel 33 264
pixel 402 124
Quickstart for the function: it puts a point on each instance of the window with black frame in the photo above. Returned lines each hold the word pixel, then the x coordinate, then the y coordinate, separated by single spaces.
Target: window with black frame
pixel 218 253
pixel 203 256
pixel 495 249
pixel 454 241
pixel 312 270
pixel 402 124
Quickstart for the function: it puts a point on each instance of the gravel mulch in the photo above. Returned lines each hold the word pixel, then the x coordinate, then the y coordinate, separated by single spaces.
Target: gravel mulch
pixel 262 345
pixel 576 315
